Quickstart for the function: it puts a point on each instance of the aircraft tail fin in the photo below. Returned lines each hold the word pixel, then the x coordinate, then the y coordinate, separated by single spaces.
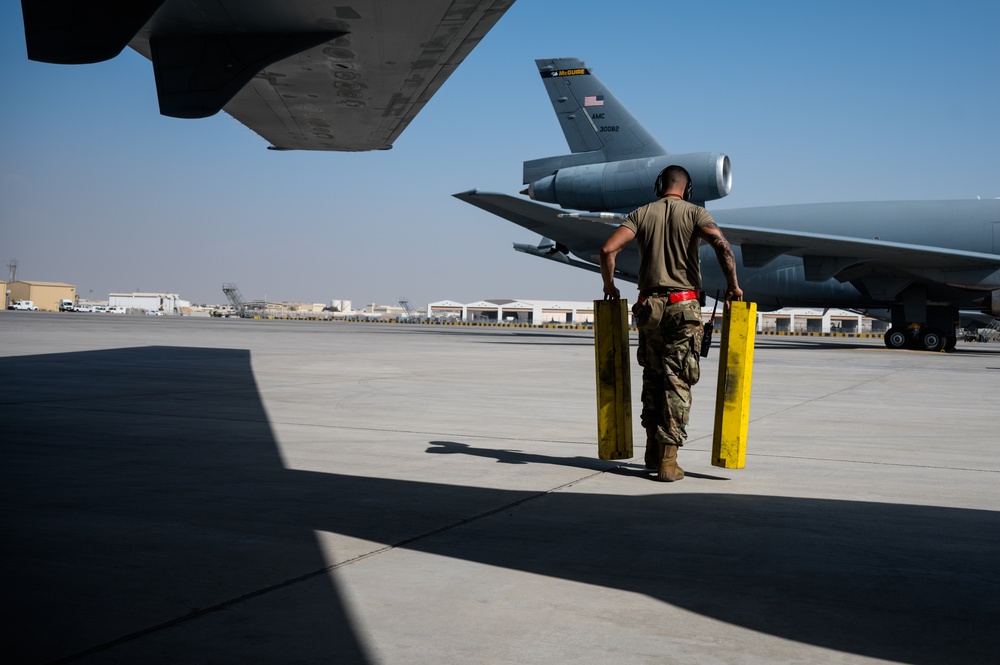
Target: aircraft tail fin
pixel 591 117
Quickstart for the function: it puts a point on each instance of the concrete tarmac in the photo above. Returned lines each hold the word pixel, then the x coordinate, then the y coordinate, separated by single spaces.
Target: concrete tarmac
pixel 182 490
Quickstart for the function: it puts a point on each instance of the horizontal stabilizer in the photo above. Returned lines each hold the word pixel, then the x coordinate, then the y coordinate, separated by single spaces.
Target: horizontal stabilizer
pixel 558 257
pixel 582 237
pixel 579 235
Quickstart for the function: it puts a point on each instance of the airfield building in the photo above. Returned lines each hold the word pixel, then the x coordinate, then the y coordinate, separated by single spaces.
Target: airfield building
pixel 45 295
pixel 165 303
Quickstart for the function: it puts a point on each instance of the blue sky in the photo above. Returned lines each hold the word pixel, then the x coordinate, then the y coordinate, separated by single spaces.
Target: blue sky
pixel 812 101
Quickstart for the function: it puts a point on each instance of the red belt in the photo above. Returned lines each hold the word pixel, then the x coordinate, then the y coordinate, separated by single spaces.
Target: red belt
pixel 681 296
pixel 673 298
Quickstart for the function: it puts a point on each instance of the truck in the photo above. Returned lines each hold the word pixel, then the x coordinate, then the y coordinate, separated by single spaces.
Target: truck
pixel 66 305
pixel 23 305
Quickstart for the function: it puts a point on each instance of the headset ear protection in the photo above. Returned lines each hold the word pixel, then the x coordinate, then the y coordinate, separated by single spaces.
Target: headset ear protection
pixel 658 186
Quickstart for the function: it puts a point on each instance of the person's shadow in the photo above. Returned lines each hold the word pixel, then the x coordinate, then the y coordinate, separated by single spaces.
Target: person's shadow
pixel 503 456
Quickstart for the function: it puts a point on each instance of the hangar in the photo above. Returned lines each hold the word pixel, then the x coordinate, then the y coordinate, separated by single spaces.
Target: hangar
pixel 539 312
pixel 514 311
pixel 45 295
pixel 166 303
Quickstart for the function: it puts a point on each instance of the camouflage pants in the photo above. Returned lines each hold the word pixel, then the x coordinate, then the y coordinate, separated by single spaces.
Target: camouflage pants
pixel 669 355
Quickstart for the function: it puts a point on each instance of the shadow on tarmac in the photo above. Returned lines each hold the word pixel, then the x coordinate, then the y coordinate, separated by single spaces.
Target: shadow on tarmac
pixel 519 457
pixel 516 456
pixel 145 493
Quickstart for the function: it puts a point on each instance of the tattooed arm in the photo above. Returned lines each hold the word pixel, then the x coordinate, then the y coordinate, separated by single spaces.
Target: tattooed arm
pixel 711 234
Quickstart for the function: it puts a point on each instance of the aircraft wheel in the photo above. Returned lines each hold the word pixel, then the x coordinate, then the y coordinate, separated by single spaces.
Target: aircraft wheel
pixel 932 340
pixel 896 338
pixel 950 343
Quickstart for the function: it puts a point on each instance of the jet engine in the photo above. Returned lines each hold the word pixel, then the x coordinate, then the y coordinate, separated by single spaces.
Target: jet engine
pixel 625 185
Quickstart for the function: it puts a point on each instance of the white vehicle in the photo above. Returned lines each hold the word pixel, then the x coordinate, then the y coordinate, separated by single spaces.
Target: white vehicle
pixel 116 309
pixel 66 305
pixel 100 308
pixel 23 305
pixel 83 308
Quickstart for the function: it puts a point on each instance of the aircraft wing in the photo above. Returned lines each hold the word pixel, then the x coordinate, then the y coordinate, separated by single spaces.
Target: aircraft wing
pixel 895 254
pixel 847 258
pixel 303 74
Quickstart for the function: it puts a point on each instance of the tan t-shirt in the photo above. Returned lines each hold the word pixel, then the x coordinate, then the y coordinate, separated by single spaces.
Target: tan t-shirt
pixel 666 231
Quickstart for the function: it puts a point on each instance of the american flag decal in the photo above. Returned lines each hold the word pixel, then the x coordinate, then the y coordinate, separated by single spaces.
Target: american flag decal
pixel 593 100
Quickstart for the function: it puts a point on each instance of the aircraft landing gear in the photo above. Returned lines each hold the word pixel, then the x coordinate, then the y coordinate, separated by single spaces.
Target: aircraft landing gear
pixel 931 340
pixel 920 338
pixel 896 338
pixel 922 327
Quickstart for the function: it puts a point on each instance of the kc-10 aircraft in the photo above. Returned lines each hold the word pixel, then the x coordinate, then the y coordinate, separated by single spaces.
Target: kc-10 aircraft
pixel 923 261
pixel 303 74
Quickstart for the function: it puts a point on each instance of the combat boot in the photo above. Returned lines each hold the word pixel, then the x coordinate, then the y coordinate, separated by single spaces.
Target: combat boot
pixel 668 469
pixel 654 449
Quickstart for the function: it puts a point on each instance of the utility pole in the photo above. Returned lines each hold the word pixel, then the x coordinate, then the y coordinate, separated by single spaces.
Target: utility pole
pixel 12 271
